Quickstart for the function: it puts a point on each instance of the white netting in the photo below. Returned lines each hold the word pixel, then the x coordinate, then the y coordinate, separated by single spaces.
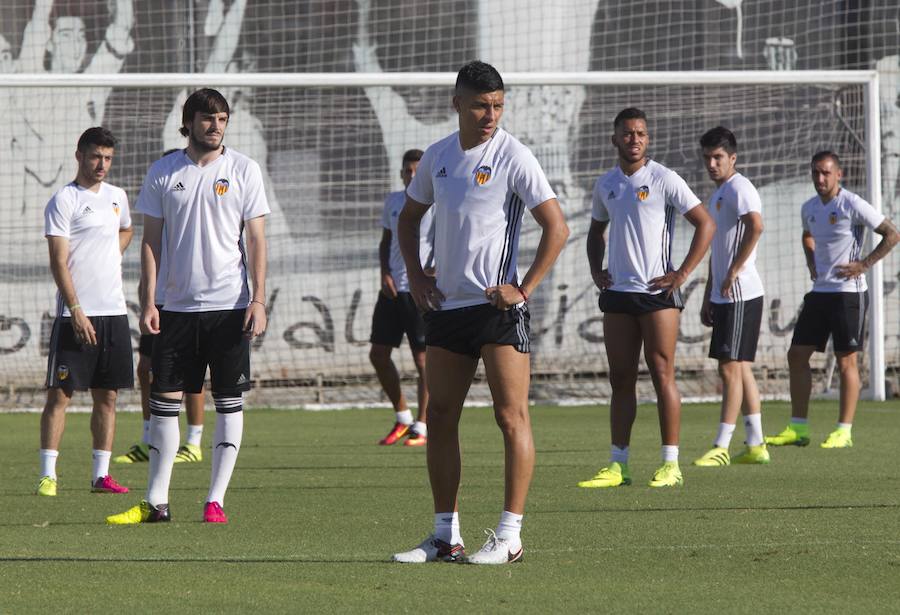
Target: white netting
pixel 331 154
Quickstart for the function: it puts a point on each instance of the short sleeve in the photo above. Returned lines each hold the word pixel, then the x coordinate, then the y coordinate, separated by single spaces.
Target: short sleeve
pixel 421 189
pixel 386 214
pixel 747 199
pixel 124 213
pixel 529 180
pixel 150 197
pixel 253 193
pixel 864 213
pixel 678 194
pixel 804 222
pixel 598 206
pixel 58 216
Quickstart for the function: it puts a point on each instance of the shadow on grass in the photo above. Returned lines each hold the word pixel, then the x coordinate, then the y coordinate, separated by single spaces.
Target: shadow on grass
pixel 192 560
pixel 723 509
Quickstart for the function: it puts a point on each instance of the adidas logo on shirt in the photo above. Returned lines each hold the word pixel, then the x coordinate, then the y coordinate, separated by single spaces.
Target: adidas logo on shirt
pixel 611 195
pixel 178 187
pixel 87 210
pixel 442 172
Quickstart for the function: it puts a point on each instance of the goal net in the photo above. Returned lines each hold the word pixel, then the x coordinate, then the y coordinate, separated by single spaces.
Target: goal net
pixel 330 147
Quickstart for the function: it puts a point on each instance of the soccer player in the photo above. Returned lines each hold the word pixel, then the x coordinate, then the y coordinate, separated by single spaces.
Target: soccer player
pixel 211 203
pixel 88 227
pixel 396 313
pixel 639 292
pixel 733 298
pixel 479 180
pixel 834 224
pixel 190 451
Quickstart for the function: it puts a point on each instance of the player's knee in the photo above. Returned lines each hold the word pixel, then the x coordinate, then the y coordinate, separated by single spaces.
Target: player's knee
pixel 379 355
pixel 730 370
pixel 797 357
pixel 847 364
pixel 511 418
pixel 662 367
pixel 623 379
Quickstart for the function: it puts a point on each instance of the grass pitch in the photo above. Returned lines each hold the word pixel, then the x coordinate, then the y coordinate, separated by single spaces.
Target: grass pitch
pixel 317 508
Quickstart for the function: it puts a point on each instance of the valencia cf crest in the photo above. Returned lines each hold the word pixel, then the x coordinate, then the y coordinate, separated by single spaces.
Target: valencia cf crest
pixel 719 204
pixel 221 186
pixel 483 174
pixel 832 218
pixel 643 192
pixel 62 372
pixel 116 208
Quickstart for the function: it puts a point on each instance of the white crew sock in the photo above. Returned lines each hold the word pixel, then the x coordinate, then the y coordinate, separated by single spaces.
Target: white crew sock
pixel 723 437
pixel 195 434
pixel 405 417
pixel 145 436
pixel 753 427
pixel 48 462
pixel 670 453
pixel 226 445
pixel 420 428
pixel 446 527
pixel 509 529
pixel 164 437
pixel 100 463
pixel 619 455
pixel 846 426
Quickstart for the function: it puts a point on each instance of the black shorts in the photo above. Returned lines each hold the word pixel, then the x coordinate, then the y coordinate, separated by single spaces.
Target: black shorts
pixel 394 317
pixel 188 342
pixel 636 304
pixel 76 366
pixel 840 315
pixel 735 333
pixel 466 330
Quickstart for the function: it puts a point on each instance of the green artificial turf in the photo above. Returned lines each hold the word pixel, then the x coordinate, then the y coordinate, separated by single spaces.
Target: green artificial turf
pixel 317 508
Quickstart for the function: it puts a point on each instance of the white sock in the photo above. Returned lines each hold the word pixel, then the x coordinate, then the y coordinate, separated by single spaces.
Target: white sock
pixel 446 527
pixel 405 417
pixel 509 529
pixel 195 433
pixel 100 462
pixel 619 455
pixel 420 428
pixel 670 453
pixel 723 437
pixel 753 427
pixel 847 426
pixel 145 437
pixel 48 462
pixel 164 437
pixel 226 445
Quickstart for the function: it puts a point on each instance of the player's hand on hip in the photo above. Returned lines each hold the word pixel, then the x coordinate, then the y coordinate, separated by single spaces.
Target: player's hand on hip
pixel 851 270
pixel 149 324
pixel 670 282
pixel 425 292
pixel 602 279
pixel 387 286
pixel 504 296
pixel 84 330
pixel 255 319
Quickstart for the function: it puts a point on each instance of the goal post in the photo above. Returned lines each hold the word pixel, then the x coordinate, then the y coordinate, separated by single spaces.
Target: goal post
pixel 326 265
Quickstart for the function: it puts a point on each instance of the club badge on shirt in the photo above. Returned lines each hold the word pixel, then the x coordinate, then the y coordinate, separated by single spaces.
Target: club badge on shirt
pixel 719 204
pixel 832 218
pixel 482 174
pixel 643 192
pixel 116 208
pixel 221 186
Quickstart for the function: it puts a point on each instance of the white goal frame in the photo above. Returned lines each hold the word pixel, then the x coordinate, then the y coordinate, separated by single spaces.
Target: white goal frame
pixel 866 78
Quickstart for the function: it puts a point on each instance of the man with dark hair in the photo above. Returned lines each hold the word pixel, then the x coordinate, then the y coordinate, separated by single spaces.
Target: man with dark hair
pixel 88 227
pixel 639 292
pixel 210 202
pixel 479 180
pixel 834 224
pixel 396 313
pixel 733 298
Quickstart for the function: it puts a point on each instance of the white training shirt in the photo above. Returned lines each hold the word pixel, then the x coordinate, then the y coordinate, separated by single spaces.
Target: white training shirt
pixel 203 211
pixel 641 214
pixel 838 228
pixel 736 197
pixel 479 198
pixel 393 205
pixel 91 221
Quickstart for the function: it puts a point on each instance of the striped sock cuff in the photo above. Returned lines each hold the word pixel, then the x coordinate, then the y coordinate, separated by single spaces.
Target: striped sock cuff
pixel 227 405
pixel 163 406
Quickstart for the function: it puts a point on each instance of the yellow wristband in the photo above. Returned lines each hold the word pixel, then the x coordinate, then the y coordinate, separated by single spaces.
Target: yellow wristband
pixel 72 308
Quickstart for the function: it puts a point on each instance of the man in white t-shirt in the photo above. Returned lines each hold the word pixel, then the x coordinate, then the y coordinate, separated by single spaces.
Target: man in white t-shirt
pixel 211 203
pixel 733 298
pixel 834 227
pixel 396 313
pixel 88 226
pixel 639 292
pixel 479 181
